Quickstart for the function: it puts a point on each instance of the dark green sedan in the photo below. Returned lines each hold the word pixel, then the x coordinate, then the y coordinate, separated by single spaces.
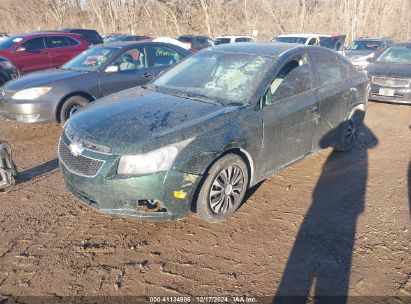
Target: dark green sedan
pixel 217 123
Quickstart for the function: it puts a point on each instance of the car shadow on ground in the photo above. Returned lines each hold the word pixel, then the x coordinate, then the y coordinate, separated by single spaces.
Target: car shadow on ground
pixel 37 171
pixel 409 182
pixel 320 260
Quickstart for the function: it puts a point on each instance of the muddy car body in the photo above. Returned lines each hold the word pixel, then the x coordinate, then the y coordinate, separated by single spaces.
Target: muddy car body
pixel 169 150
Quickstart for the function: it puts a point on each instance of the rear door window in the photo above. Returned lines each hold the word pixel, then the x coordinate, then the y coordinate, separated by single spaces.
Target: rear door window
pixel 162 56
pixel 58 42
pixel 328 68
pixel 312 41
pixel 33 45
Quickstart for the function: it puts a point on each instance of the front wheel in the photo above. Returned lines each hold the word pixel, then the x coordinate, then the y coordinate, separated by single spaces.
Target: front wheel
pixel 349 130
pixel 223 190
pixel 70 106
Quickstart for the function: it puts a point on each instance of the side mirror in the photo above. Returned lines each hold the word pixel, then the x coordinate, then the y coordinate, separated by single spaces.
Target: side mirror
pixel 111 69
pixel 21 49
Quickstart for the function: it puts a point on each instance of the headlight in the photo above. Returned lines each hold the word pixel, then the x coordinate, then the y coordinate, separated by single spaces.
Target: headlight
pixel 158 160
pixel 30 94
pixel 6 64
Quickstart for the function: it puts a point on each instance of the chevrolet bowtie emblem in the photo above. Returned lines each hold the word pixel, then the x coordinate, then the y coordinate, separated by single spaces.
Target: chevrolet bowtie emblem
pixel 76 149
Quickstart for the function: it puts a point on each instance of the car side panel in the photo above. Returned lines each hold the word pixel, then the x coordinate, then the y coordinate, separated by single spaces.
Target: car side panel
pixel 242 133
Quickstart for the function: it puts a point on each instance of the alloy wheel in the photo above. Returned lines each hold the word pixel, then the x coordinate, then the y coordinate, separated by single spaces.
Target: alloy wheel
pixel 226 189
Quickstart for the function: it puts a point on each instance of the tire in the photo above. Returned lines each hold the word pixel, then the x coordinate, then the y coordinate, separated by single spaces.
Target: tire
pixel 2 80
pixel 70 106
pixel 348 132
pixel 227 194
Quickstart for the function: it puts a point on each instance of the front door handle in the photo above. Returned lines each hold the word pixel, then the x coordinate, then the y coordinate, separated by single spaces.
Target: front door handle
pixel 349 93
pixel 148 75
pixel 313 109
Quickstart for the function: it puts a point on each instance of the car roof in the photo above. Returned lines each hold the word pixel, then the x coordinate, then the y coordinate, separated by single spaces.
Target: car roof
pixel 403 43
pixel 241 36
pixel 122 44
pixel 371 39
pixel 303 35
pixel 47 33
pixel 258 48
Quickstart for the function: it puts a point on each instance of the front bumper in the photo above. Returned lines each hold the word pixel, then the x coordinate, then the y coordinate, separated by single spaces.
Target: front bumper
pixel 401 95
pixel 28 111
pixel 120 195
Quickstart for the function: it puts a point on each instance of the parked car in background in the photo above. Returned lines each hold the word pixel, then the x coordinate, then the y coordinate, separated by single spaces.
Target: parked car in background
pixel 334 42
pixel 307 39
pixel 123 37
pixel 54 95
pixel 92 36
pixel 40 51
pixel 196 43
pixel 390 75
pixel 171 41
pixel 3 36
pixel 7 70
pixel 231 39
pixel 200 142
pixel 360 51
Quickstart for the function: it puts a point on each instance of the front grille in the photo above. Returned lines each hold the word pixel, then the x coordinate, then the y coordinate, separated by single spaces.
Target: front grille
pixel 391 82
pixel 80 165
pixel 87 144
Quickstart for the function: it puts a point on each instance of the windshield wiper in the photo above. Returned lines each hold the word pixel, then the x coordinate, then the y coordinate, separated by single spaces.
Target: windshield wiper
pixel 200 97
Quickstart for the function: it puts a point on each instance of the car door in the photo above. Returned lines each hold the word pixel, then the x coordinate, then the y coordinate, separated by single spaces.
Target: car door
pixel 59 48
pixel 334 91
pixel 32 55
pixel 162 57
pixel 133 70
pixel 290 115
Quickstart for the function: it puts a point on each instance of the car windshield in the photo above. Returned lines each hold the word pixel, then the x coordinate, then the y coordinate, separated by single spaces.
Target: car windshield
pixel 300 40
pixel 224 78
pixel 184 39
pixel 396 54
pixel 364 45
pixel 222 41
pixel 115 39
pixel 90 60
pixel 9 42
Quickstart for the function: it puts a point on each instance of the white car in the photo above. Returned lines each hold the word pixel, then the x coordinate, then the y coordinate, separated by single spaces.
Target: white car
pixel 307 39
pixel 231 39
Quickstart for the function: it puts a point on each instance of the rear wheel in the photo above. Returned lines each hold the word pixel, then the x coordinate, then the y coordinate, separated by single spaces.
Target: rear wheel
pixel 224 188
pixel 3 80
pixel 349 130
pixel 72 105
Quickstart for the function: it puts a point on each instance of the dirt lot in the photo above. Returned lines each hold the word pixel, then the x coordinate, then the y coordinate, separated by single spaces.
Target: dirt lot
pixel 334 224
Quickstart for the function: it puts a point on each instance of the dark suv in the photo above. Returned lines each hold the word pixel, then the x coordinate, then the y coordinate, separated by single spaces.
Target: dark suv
pixel 196 43
pixel 92 36
pixel 40 51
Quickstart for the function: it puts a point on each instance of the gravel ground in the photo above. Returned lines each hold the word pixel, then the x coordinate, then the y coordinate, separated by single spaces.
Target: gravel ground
pixel 332 224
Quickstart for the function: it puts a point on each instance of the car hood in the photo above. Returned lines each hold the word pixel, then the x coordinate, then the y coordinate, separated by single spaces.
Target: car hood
pixel 357 54
pixel 42 78
pixel 389 70
pixel 138 120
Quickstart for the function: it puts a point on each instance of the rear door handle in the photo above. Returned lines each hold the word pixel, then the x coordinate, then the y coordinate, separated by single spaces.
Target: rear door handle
pixel 148 75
